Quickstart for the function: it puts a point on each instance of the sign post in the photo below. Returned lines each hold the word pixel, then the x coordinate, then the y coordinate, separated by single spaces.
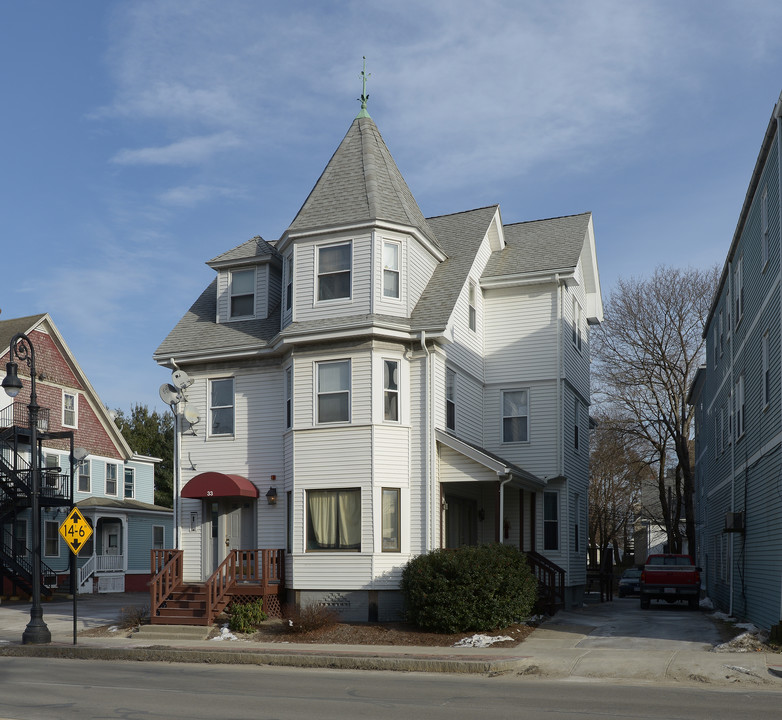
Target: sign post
pixel 76 531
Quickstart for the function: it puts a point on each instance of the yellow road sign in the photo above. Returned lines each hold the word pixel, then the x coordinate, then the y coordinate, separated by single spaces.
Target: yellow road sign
pixel 75 530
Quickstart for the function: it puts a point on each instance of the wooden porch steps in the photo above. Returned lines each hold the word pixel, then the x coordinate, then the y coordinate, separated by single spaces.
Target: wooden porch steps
pixel 186 606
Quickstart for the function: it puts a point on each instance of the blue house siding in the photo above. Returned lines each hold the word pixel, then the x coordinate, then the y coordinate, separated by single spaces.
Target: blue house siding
pixel 742 472
pixel 140 538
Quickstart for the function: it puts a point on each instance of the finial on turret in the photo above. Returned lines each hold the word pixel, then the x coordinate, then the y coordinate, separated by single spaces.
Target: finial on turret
pixel 364 96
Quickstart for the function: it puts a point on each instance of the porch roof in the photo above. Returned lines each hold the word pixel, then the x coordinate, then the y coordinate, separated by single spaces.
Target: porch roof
pixel 216 484
pixel 489 460
pixel 91 503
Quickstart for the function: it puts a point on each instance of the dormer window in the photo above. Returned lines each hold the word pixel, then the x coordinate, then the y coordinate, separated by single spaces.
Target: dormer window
pixel 391 270
pixel 334 270
pixel 243 293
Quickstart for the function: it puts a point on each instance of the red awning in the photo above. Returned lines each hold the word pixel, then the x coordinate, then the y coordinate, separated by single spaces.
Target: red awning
pixel 215 484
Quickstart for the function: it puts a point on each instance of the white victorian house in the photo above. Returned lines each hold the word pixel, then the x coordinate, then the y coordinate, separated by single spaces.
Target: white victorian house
pixel 398 383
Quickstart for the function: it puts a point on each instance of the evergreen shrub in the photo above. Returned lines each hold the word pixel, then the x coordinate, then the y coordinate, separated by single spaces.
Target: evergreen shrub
pixel 247 616
pixel 471 588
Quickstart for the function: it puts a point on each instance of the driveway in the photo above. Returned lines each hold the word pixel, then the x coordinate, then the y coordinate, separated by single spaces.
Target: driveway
pixel 621 624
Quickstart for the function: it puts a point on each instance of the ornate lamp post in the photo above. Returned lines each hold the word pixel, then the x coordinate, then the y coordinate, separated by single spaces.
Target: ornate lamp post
pixel 36 632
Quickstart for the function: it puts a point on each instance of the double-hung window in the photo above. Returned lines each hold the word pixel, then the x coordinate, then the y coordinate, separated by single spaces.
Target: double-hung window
pixel 334 520
pixel 551 520
pixel 84 476
pixel 334 271
pixel 289 282
pixel 333 391
pixel 391 270
pixel 221 407
pixel 391 390
pixel 289 397
pixel 515 416
pixel 130 482
pixel 243 293
pixel 51 540
pixel 69 409
pixel 111 479
pixel 764 227
pixel 450 399
pixel 738 290
pixel 740 407
pixel 390 523
pixel 471 302
pixel 766 379
pixel 158 537
pixel 576 325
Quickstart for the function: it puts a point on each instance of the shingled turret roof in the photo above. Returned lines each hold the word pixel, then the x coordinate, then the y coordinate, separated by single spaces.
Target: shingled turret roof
pixel 361 183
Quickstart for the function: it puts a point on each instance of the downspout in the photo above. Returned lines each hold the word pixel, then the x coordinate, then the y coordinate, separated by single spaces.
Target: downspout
pixel 560 415
pixel 176 478
pixel 501 519
pixel 428 495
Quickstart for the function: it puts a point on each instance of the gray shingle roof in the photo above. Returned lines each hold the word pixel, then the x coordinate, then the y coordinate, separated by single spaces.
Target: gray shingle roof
pixel 361 183
pixel 198 330
pixel 540 245
pixel 255 247
pixel 460 236
pixel 9 328
pixel 127 504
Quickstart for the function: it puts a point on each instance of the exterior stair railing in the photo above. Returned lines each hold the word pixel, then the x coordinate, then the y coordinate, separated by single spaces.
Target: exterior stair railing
pixel 551 580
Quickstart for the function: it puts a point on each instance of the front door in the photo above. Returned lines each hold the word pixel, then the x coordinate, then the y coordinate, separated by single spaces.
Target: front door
pixel 231 527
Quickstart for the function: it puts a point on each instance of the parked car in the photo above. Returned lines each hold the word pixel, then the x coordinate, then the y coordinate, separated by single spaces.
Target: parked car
pixel 630 582
pixel 670 577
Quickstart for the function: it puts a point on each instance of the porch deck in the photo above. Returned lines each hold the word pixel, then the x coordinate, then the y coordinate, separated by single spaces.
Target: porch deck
pixel 243 575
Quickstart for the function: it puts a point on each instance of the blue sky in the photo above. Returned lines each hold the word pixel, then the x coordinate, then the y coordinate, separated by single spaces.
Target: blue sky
pixel 141 139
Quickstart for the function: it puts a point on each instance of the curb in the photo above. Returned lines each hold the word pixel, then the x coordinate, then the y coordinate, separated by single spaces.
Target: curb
pixel 342 661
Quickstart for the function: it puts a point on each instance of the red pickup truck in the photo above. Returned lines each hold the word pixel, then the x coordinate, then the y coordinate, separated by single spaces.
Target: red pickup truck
pixel 670 577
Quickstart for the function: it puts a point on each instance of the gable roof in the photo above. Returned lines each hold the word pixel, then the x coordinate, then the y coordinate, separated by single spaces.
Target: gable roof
pixel 44 323
pixel 539 246
pixel 460 235
pixel 198 332
pixel 254 250
pixel 361 183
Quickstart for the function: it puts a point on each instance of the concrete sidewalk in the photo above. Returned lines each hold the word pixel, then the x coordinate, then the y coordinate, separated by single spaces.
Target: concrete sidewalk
pixel 583 645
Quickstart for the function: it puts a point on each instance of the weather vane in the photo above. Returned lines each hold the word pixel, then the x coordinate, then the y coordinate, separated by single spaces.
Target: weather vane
pixel 364 96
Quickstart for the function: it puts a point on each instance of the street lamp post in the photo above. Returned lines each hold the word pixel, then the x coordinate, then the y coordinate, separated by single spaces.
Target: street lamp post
pixel 36 632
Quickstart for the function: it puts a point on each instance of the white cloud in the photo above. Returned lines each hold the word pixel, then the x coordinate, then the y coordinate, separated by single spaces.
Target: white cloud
pixel 191 151
pixel 193 195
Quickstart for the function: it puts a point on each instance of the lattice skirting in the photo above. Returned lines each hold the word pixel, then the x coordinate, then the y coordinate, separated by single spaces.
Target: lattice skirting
pixel 271 603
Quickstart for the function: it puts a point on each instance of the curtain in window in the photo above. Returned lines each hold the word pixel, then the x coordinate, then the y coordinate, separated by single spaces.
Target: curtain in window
pixel 350 519
pixel 334 519
pixel 323 518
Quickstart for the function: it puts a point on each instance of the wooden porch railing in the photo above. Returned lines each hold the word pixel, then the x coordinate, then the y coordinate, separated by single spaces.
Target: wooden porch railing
pixel 551 579
pixel 218 585
pixel 167 574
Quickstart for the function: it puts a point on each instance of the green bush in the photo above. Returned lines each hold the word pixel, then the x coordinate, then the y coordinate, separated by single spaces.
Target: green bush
pixel 246 617
pixel 478 588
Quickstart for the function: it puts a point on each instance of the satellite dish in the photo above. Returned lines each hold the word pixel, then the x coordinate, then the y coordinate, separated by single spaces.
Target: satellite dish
pixel 169 394
pixel 79 454
pixel 191 415
pixel 181 379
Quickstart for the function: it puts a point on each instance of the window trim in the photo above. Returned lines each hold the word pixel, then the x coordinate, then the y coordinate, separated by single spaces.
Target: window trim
pixel 337 522
pixel 47 538
pixel 232 295
pixel 289 283
pixel 450 399
pixel 548 522
pixel 75 396
pixel 764 254
pixel 213 407
pixel 472 307
pixel 132 472
pixel 106 480
pixel 348 391
pixel 387 391
pixel 385 269
pixel 397 493
pixel 765 378
pixel 162 528
pixel 289 397
pixel 79 475
pixel 319 274
pixel 503 416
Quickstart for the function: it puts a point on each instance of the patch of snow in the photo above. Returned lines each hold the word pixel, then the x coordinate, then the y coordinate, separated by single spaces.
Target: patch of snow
pixel 114 628
pixel 722 616
pixel 481 641
pixel 225 634
pixel 706 604
pixel 746 642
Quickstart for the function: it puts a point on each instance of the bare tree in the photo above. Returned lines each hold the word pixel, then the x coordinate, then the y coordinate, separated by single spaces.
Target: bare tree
pixel 647 351
pixel 614 485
